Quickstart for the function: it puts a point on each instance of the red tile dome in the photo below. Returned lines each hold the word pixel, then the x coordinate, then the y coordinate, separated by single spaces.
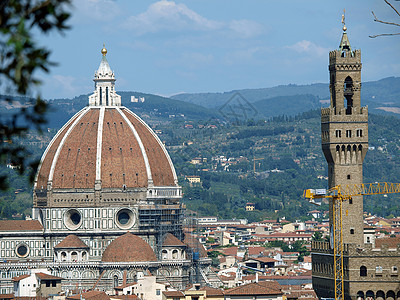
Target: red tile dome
pixel 111 145
pixel 128 248
pixel 105 144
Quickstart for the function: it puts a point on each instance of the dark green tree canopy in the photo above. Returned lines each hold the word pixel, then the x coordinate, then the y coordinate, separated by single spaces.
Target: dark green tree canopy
pixel 20 59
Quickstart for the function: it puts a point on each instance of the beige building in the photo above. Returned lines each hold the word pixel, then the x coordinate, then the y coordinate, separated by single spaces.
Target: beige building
pixel 250 206
pixel 370 272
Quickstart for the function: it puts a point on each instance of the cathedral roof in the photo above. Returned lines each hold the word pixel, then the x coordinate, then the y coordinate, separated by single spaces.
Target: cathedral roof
pixel 71 241
pixel 128 248
pixel 193 243
pixel 20 225
pixel 106 144
pixel 171 240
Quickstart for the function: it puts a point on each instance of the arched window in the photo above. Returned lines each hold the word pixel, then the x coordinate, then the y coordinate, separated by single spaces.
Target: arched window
pixel 63 256
pixel 363 271
pixel 348 95
pixel 115 281
pixel 175 254
pixel 360 295
pixel 164 254
pixel 74 256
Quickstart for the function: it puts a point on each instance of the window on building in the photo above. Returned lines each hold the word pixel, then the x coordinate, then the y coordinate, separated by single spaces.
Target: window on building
pixel 363 271
pixel 158 292
pixel 47 283
pixel 338 133
pixel 359 133
pixel 348 133
pixel 351 231
pixel 378 269
pixel 348 176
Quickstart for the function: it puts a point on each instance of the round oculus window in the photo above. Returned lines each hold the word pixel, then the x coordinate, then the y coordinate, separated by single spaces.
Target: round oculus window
pixel 125 218
pixel 22 250
pixel 72 219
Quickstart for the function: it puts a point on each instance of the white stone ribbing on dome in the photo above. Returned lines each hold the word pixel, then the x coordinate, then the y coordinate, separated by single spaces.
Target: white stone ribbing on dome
pixel 99 143
pixel 51 143
pixel 159 142
pixel 55 159
pixel 104 78
pixel 142 149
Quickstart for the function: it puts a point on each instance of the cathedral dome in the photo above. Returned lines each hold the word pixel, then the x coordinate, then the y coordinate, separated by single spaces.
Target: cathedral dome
pixel 128 248
pixel 105 145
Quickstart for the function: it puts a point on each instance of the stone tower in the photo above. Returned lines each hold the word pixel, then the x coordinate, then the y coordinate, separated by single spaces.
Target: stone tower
pixel 370 269
pixel 344 131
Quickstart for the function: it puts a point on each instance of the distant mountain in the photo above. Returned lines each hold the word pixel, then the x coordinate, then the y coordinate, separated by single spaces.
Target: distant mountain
pixel 380 95
pixel 286 105
pixel 61 110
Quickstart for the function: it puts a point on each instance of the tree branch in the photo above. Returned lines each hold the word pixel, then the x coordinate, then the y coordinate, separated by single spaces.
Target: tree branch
pixel 388 3
pixel 383 22
pixel 384 34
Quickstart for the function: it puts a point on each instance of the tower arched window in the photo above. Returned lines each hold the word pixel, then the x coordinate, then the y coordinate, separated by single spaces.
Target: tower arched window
pixel 348 95
pixel 363 271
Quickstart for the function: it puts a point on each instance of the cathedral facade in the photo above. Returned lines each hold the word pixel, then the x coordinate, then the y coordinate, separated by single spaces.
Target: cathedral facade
pixel 106 204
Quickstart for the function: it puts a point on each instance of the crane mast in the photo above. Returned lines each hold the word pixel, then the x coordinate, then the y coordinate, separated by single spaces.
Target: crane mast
pixel 338 194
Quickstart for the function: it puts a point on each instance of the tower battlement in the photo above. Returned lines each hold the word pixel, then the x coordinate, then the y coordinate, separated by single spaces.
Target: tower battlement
pixel 344 57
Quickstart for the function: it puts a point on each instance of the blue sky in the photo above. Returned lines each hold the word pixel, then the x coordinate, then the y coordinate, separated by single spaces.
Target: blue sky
pixel 168 47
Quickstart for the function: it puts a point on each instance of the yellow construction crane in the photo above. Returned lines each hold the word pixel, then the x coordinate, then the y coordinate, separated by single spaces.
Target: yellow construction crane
pixel 338 194
pixel 254 160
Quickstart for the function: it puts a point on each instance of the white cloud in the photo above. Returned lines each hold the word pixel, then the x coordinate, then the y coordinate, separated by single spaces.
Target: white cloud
pixel 308 47
pixel 169 16
pixel 99 10
pixel 246 28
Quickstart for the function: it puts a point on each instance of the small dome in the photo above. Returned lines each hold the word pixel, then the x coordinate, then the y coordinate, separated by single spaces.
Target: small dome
pixel 171 240
pixel 128 248
pixel 71 241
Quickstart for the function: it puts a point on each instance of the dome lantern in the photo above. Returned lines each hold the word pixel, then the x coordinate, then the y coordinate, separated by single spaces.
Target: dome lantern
pixel 104 78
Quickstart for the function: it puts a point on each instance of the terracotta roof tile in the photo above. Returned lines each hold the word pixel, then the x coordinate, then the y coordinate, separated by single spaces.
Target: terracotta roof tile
pixel 20 225
pixel 392 242
pixel 171 240
pixel 264 259
pixel 122 160
pixel 19 278
pixel 212 291
pixel 71 241
pixel 194 243
pixel 128 248
pixel 256 288
pixel 124 297
pixel 92 295
pixel 44 276
pixel 173 294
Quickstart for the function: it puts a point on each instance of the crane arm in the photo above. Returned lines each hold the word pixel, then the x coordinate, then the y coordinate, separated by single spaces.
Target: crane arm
pixel 348 191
